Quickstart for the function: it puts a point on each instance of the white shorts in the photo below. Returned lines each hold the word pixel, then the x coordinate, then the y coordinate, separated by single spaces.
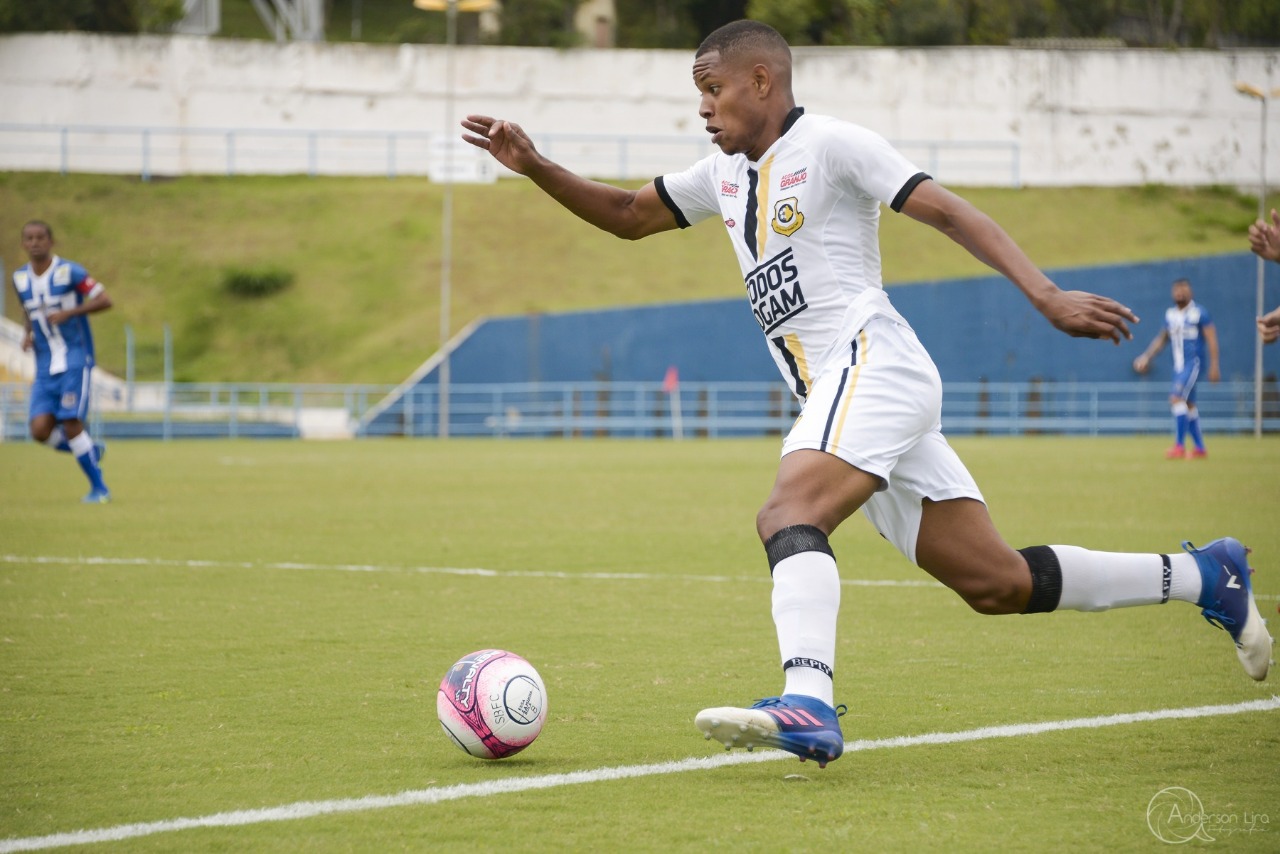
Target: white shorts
pixel 881 411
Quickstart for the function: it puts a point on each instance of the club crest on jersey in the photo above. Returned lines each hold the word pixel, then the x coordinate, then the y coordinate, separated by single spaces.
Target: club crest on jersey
pixel 774 291
pixel 787 218
pixel 69 399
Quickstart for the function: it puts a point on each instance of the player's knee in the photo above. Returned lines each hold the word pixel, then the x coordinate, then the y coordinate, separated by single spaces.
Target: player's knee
pixel 997 591
pixel 776 515
pixel 991 599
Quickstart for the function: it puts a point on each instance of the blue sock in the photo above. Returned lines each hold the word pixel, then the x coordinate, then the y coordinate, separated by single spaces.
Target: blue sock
pixel 1193 427
pixel 1181 421
pixel 82 447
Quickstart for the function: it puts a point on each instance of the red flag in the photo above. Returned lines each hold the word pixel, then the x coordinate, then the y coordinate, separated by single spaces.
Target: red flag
pixel 671 381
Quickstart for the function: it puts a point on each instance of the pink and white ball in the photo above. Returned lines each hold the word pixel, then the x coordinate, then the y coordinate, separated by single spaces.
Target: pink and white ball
pixel 492 703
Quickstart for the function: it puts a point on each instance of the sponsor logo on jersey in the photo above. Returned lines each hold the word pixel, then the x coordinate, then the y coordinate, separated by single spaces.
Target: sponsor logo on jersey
pixel 62 275
pixel 22 280
pixel 787 218
pixel 728 188
pixel 774 291
pixel 794 179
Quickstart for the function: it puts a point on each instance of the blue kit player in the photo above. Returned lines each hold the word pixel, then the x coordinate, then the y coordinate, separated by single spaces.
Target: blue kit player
pixel 1190 331
pixel 58 296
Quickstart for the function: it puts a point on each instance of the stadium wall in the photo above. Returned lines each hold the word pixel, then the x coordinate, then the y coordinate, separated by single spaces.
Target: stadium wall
pixel 976 329
pixel 1066 117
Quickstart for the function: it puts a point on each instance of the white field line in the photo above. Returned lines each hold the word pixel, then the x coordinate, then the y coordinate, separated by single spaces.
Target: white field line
pixel 310 809
pixel 451 570
pixel 762 577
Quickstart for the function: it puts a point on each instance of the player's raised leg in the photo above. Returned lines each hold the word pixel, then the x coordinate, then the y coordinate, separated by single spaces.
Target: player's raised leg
pixel 960 547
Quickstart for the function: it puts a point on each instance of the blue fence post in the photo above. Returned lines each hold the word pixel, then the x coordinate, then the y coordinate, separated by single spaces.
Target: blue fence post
pixel 168 383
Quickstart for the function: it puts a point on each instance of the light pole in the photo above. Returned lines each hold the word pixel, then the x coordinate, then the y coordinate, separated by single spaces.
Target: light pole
pixel 1252 91
pixel 451 9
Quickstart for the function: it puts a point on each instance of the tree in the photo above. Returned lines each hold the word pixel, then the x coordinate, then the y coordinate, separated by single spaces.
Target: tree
pixel 101 16
pixel 821 22
pixel 539 23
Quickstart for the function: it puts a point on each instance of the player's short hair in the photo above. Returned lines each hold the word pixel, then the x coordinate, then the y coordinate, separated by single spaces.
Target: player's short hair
pixel 48 229
pixel 740 39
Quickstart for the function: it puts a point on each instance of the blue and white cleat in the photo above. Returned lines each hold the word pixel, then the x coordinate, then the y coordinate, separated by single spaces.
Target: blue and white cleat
pixel 97 496
pixel 802 725
pixel 1226 598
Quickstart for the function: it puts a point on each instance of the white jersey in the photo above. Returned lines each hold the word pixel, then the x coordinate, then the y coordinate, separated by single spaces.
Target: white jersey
pixel 804 223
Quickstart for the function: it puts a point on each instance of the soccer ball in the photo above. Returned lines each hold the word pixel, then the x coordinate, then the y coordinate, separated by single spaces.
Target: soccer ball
pixel 492 703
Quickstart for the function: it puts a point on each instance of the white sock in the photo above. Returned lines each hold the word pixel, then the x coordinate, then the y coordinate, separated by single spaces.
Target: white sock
pixel 56 438
pixel 1096 581
pixel 82 444
pixel 806 601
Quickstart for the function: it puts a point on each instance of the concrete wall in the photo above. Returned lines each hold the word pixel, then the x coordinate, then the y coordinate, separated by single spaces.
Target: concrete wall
pixel 1063 117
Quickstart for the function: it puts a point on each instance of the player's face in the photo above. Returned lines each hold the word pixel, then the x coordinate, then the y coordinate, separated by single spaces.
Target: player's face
pixel 731 105
pixel 1181 295
pixel 36 242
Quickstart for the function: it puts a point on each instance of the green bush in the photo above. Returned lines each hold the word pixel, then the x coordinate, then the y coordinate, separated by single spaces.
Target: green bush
pixel 256 283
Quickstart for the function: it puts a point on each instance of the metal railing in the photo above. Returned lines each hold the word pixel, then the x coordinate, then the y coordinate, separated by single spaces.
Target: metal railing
pixel 620 410
pixel 152 151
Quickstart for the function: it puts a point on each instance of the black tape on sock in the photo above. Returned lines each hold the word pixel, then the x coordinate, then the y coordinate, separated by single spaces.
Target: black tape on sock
pixel 1046 579
pixel 808 662
pixel 1167 581
pixel 793 540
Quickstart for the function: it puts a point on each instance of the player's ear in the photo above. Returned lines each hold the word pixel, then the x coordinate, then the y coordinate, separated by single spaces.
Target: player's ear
pixel 761 80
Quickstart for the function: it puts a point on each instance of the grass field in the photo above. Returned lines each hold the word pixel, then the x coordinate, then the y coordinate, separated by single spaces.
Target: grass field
pixel 365 254
pixel 262 626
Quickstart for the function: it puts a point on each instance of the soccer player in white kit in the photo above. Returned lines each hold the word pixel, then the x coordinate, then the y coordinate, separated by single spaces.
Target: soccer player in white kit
pixel 799 196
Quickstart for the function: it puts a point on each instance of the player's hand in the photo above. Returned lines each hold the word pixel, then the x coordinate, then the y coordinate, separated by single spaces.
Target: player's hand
pixel 1141 364
pixel 54 318
pixel 1214 374
pixel 506 141
pixel 1081 314
pixel 27 340
pixel 1269 326
pixel 1264 237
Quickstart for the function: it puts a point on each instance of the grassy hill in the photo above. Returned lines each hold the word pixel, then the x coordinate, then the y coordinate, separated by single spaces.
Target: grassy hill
pixel 364 254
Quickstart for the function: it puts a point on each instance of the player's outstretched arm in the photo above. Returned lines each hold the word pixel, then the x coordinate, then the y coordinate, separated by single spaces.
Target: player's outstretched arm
pixel 631 214
pixel 1143 361
pixel 1077 313
pixel 1264 237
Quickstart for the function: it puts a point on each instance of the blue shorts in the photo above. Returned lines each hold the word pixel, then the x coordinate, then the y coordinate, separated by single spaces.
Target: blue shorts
pixel 65 396
pixel 1184 381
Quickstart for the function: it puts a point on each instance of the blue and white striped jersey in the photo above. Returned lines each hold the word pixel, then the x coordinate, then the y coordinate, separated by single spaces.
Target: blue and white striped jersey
pixel 65 284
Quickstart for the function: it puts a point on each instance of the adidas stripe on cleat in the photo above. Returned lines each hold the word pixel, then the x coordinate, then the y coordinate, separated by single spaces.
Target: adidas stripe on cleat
pixel 802 725
pixel 1226 600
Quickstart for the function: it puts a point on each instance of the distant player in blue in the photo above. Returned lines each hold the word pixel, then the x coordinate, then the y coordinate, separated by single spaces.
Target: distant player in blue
pixel 1188 327
pixel 57 296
